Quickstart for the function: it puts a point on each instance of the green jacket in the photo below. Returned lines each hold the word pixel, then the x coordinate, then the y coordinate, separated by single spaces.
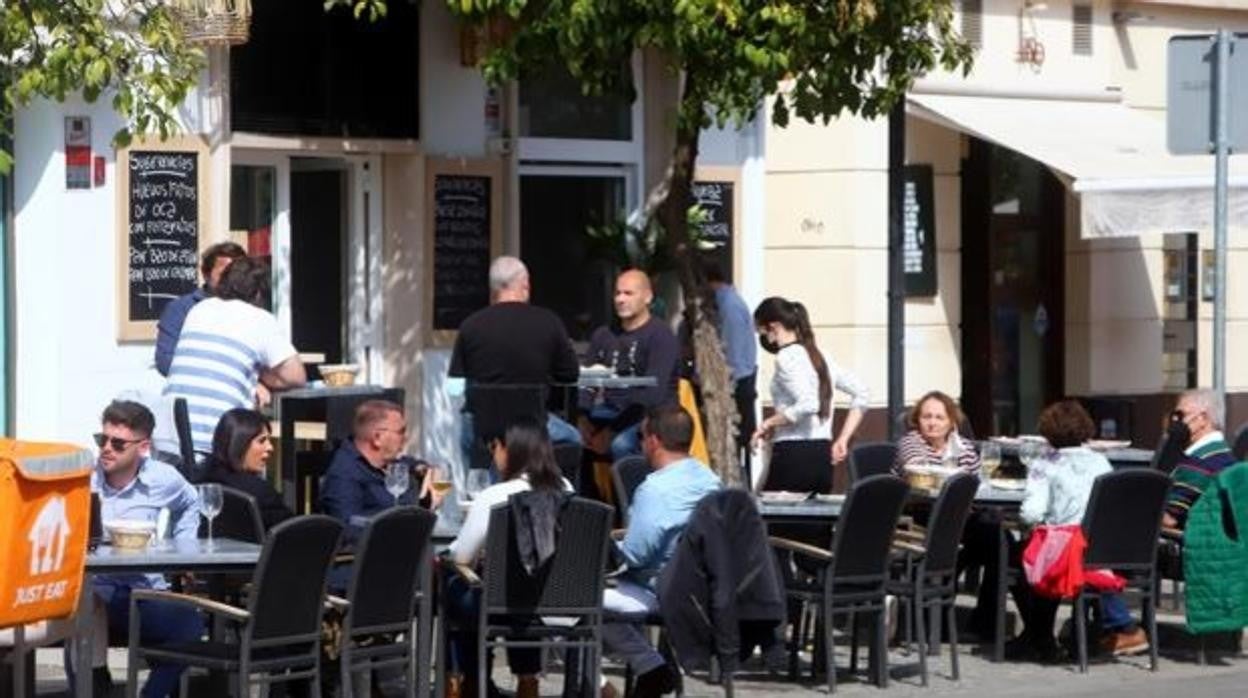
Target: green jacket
pixel 1215 555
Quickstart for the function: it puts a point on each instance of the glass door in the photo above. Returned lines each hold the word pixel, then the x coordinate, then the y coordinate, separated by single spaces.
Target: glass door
pixel 570 275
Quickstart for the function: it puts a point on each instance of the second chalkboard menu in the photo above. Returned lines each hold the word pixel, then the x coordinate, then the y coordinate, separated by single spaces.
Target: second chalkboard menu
pixel 715 199
pixel 465 228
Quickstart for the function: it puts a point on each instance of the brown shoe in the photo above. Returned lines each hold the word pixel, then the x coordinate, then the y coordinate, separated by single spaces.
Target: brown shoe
pixel 1125 643
pixel 454 687
pixel 526 687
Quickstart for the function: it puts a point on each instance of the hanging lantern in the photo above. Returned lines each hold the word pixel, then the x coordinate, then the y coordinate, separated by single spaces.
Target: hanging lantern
pixel 214 22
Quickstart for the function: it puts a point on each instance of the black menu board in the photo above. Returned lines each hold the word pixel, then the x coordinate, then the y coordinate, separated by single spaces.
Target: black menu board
pixel 163 229
pixel 462 230
pixel 714 198
pixel 919 232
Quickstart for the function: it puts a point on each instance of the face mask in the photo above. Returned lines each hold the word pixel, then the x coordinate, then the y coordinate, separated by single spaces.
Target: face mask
pixel 1179 432
pixel 768 346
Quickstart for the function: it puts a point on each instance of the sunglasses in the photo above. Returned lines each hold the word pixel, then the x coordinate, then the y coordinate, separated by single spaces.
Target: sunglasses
pixel 115 442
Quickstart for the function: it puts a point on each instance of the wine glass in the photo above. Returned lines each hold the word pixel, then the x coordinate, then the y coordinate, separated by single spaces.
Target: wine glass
pixel 441 481
pixel 990 458
pixel 211 500
pixel 398 479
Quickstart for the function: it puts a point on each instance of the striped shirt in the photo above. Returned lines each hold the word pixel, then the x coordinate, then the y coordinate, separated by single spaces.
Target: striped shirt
pixel 216 365
pixel 912 448
pixel 1198 467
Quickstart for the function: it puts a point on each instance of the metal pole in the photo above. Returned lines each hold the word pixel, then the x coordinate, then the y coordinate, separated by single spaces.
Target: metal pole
pixel 1221 148
pixel 896 270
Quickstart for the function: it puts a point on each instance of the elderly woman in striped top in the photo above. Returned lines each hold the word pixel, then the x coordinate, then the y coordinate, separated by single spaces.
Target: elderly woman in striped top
pixel 933 438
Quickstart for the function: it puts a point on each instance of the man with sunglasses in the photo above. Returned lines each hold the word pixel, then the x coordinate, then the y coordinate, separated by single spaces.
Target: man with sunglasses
pixel 132 487
pixel 1197 424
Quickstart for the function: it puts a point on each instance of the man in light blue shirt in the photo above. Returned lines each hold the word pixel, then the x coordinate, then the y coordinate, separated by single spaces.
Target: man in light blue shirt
pixel 736 332
pixel 660 509
pixel 134 487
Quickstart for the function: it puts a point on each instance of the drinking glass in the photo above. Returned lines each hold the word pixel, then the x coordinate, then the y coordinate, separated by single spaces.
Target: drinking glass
pixel 210 502
pixel 990 458
pixel 1029 452
pixel 441 482
pixel 398 479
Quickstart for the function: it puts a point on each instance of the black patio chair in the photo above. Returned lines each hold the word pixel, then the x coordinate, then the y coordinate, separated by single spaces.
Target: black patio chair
pixel 853 574
pixel 239 518
pixel 928 580
pixel 1121 525
pixel 1240 447
pixel 569 586
pixel 381 627
pixel 189 465
pixel 870 459
pixel 627 474
pixel 1167 454
pixel 568 457
pixel 279 632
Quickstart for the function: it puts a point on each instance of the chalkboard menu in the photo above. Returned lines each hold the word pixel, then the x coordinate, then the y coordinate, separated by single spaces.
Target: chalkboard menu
pixel 714 198
pixel 163 205
pixel 919 233
pixel 462 233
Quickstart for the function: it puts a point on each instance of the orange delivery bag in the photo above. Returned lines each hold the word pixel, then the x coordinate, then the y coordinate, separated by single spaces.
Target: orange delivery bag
pixel 45 510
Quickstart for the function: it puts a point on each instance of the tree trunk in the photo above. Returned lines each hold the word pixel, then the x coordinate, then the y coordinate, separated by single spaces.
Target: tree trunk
pixel 701 313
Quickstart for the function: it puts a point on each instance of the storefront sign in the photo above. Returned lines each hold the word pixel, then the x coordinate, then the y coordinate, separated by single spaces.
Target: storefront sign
pixel 715 200
pixel 77 152
pixel 466 232
pixel 919 241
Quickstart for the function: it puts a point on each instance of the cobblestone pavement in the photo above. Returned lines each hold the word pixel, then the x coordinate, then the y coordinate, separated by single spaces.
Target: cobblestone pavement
pixel 1179 675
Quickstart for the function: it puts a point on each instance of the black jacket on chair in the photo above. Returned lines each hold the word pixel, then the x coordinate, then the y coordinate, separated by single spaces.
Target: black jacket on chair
pixel 722 577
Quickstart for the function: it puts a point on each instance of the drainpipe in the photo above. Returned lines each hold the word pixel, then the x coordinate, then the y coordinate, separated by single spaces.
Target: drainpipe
pixel 896 271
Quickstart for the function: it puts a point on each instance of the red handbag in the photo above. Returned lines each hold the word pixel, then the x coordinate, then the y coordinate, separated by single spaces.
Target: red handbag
pixel 1053 564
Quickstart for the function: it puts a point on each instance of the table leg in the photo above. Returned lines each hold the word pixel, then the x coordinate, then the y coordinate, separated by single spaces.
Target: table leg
pixel 998 641
pixel 424 629
pixel 84 636
pixel 286 468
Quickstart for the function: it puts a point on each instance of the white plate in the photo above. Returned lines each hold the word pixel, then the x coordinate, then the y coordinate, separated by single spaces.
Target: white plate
pixel 830 498
pixel 1001 483
pixel 1107 444
pixel 784 498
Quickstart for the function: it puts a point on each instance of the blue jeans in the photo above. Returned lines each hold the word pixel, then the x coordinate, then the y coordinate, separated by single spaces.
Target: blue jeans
pixel 160 622
pixel 1114 614
pixel 462 603
pixel 476 457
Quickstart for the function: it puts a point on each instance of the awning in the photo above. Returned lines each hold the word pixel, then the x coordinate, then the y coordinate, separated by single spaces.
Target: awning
pixel 1112 156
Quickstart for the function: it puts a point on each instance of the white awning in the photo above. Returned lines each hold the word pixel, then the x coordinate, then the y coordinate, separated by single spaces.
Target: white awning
pixel 1112 156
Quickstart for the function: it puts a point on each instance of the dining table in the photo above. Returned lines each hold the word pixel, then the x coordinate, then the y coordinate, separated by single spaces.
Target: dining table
pixel 199 556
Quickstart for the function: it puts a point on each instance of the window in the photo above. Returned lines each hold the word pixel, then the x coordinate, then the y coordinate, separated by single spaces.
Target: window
pixel 310 72
pixel 553 106
pixel 973 22
pixel 1081 27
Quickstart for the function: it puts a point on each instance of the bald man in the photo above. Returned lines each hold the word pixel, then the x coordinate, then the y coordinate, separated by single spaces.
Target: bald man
pixel 636 344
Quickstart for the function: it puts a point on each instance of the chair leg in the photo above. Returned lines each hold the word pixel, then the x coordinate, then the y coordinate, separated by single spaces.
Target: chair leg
pixel 1149 609
pixel 829 648
pixel 921 632
pixel 483 671
pixel 1081 632
pixel 853 641
pixel 344 666
pixel 797 634
pixel 933 629
pixel 952 610
pixel 132 654
pixel 881 648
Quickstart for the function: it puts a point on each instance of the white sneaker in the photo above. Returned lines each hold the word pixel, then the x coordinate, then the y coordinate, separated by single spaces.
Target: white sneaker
pixel 890 608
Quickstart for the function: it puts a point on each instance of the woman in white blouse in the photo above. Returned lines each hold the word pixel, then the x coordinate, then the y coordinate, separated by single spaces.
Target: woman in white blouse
pixel 800 429
pixel 526 461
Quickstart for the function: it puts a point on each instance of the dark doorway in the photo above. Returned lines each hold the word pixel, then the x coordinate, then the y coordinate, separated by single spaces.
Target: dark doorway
pixel 568 275
pixel 1013 300
pixel 318 234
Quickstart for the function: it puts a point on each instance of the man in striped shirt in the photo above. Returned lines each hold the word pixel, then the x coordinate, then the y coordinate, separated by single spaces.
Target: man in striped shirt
pixel 231 352
pixel 1203 413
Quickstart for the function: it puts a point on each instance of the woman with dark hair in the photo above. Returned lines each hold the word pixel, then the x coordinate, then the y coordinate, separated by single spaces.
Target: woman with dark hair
pixel 240 454
pixel 800 429
pixel 526 462
pixel 933 437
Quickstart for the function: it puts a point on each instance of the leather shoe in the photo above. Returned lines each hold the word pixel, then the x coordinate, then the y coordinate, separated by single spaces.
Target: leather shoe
pixel 656 682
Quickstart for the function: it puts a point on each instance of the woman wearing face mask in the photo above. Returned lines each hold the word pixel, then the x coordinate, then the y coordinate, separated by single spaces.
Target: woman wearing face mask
pixel 800 429
pixel 240 456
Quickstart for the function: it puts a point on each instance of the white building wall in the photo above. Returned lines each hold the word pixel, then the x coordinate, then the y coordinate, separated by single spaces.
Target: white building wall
pixel 68 361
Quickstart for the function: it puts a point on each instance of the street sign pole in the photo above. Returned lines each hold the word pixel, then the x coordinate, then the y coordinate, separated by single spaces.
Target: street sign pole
pixel 1221 149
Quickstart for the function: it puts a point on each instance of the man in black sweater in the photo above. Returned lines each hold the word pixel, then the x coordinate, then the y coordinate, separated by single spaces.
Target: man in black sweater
pixel 637 344
pixel 508 349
